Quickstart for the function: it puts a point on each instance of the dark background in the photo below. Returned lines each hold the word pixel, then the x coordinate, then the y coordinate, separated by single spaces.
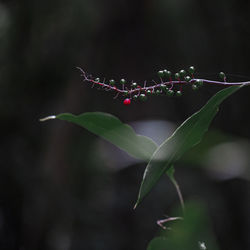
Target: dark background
pixel 56 192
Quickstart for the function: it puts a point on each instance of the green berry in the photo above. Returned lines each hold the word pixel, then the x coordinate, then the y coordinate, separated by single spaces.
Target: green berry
pixel 135 97
pixel 178 93
pixel 149 92
pixel 199 83
pixel 191 69
pixel 134 85
pixel 182 73
pixel 97 79
pixel 194 87
pixel 222 75
pixel 177 76
pixel 168 74
pixel 163 87
pixel 122 81
pixel 125 92
pixel 112 82
pixel 187 78
pixel 165 72
pixel 161 73
pixel 157 92
pixel 143 97
pixel 170 92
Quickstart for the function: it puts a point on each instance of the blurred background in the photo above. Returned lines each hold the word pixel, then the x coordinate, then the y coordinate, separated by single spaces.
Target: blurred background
pixel 63 188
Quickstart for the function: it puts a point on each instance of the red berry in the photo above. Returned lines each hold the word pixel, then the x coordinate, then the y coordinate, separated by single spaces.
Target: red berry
pixel 127 101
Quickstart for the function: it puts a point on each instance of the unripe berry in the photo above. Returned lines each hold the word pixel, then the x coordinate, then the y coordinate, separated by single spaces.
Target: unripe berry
pixel 135 97
pixel 194 87
pixel 222 75
pixel 127 101
pixel 168 73
pixel 191 69
pixel 165 72
pixel 177 76
pixel 134 85
pixel 182 73
pixel 112 82
pixel 187 78
pixel 143 97
pixel 149 92
pixel 161 73
pixel 97 79
pixel 163 87
pixel 125 92
pixel 178 93
pixel 170 92
pixel 199 83
pixel 157 92
pixel 122 81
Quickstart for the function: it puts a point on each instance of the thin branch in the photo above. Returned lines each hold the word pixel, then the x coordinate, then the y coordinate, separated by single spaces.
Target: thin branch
pixel 161 222
pixel 156 85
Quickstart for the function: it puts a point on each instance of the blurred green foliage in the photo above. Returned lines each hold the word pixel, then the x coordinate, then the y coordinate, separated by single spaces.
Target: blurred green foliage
pixel 187 234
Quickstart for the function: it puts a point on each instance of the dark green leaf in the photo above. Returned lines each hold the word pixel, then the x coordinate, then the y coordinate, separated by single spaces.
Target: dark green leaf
pixel 186 136
pixel 113 130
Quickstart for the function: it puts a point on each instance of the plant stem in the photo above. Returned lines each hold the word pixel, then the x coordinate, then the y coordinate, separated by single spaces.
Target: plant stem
pixel 177 187
pixel 170 83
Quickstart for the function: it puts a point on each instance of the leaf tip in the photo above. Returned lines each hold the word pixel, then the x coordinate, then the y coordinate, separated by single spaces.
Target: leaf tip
pixel 51 117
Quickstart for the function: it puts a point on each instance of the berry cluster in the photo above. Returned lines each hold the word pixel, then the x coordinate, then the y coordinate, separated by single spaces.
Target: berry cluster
pixel 169 84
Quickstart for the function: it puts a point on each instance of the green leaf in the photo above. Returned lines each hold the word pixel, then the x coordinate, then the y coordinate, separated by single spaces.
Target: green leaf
pixel 185 137
pixel 113 130
pixel 188 234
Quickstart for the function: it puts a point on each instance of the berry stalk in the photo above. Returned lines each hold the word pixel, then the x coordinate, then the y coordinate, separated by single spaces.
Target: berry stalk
pixel 165 86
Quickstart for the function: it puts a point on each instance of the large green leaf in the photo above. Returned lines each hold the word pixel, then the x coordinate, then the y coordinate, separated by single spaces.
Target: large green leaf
pixel 186 136
pixel 113 130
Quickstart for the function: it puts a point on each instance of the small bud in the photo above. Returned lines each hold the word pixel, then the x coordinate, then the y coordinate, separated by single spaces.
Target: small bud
pixel 143 97
pixel 127 101
pixel 178 93
pixel 191 69
pixel 134 85
pixel 161 73
pixel 187 78
pixel 97 79
pixel 194 87
pixel 122 81
pixel 222 75
pixel 182 73
pixel 177 76
pixel 112 82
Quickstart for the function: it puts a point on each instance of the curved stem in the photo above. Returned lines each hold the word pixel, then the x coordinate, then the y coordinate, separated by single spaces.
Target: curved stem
pixel 177 187
pixel 156 85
